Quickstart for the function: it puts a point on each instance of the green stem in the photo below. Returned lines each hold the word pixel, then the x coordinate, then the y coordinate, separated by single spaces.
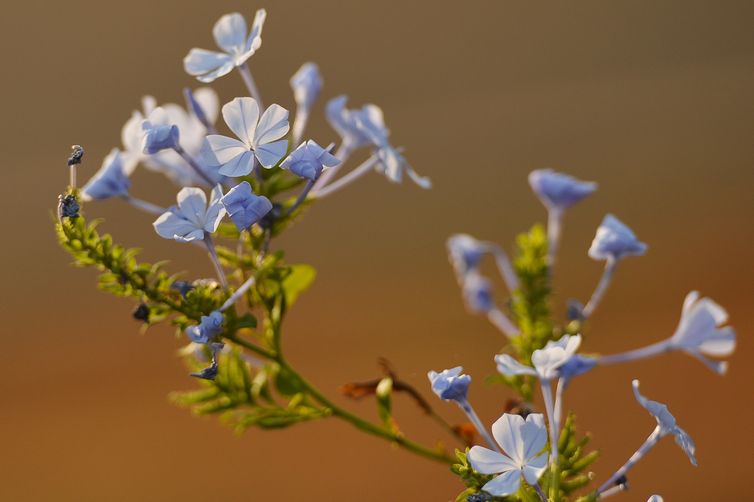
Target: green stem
pixel 364 425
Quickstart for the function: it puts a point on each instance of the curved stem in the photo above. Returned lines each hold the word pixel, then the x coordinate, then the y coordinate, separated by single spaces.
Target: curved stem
pixel 364 425
pixel 251 85
pixel 599 291
pixel 505 267
pixel 638 455
pixel 547 395
pixel 347 179
pixel 653 350
pixel 502 322
pixel 194 165
pixel 558 412
pixel 301 197
pixel 143 205
pixel 471 414
pixel 554 229
pixel 299 125
pixel 215 261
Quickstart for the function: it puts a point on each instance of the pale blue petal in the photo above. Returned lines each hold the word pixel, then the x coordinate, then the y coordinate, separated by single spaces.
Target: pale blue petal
pixel 486 461
pixel 272 126
pixel 535 436
pixel 110 181
pixel 271 153
pixel 508 432
pixel 230 33
pixel 240 165
pixel 254 41
pixel 534 469
pixel 504 484
pixel 242 115
pixel 170 225
pixel 215 211
pixel 201 62
pixel 510 367
pixel 219 150
pixel 192 203
pixel 614 239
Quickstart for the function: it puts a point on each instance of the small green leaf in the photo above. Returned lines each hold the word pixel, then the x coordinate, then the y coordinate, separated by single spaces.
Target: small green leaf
pixel 298 280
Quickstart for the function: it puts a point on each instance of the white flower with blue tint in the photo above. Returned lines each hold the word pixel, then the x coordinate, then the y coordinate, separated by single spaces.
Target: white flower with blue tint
pixel 245 207
pixel 192 131
pixel 350 124
pixel 700 334
pixel 559 191
pixel 450 385
pixel 615 240
pixel 110 181
pixel 192 217
pixel 522 442
pixel 655 498
pixel 392 164
pixel 547 361
pixel 465 253
pixel 576 365
pixel 306 84
pixel 477 293
pixel 309 160
pixel 238 45
pixel 208 328
pixel 666 423
pixel 257 137
pixel 158 137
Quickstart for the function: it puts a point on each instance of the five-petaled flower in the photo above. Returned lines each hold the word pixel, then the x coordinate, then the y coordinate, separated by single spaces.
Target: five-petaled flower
pixel 309 160
pixel 699 332
pixel 522 443
pixel 208 328
pixel 559 191
pixel 230 34
pixel 547 361
pixel 666 423
pixel 257 136
pixel 192 217
pixel 244 206
pixel 614 240
pixel 110 181
pixel 451 384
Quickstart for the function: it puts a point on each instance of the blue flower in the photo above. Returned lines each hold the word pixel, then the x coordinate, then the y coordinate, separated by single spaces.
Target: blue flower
pixel 245 207
pixel 110 181
pixel 230 34
pixel 559 191
pixel 450 385
pixel 477 292
pixel 465 253
pixel 159 137
pixel 257 137
pixel 614 240
pixel 575 366
pixel 308 160
pixel 192 217
pixel 351 124
pixel 209 327
pixel 393 165
pixel 306 84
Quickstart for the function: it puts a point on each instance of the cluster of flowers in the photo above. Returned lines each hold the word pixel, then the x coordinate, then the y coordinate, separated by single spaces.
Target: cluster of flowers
pixel 517 448
pixel 184 145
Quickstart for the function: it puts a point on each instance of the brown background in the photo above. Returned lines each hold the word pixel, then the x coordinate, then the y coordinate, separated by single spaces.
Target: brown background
pixel 651 99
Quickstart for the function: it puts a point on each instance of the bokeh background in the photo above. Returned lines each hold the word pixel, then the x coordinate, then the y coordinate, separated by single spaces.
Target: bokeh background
pixel 651 99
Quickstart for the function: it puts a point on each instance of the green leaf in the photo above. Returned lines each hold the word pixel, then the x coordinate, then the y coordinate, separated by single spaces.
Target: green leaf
pixel 298 280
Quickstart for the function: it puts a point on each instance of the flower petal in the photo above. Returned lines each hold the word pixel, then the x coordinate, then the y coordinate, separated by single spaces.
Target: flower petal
pixel 273 125
pixel 230 33
pixel 510 367
pixel 254 41
pixel 486 461
pixel 216 211
pixel 508 432
pixel 238 166
pixel 200 62
pixel 192 203
pixel 271 153
pixel 208 100
pixel 219 150
pixel 242 115
pixel 534 435
pixel 170 225
pixel 504 484
pixel 534 468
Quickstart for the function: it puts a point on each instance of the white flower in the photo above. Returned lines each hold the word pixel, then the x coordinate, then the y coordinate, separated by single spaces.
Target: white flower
pixel 546 360
pixel 191 218
pixel 666 423
pixel 257 136
pixel 559 191
pixel 192 133
pixel 699 332
pixel 230 35
pixel 523 442
pixel 614 240
pixel 655 498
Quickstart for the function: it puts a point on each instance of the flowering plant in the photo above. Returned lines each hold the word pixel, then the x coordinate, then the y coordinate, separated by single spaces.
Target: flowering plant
pixel 237 192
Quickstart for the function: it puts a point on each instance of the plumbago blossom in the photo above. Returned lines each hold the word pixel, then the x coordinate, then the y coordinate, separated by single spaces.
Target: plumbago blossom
pixel 238 191
pixel 543 354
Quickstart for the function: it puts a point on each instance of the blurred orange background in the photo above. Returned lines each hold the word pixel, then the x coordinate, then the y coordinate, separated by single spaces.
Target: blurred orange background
pixel 653 100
